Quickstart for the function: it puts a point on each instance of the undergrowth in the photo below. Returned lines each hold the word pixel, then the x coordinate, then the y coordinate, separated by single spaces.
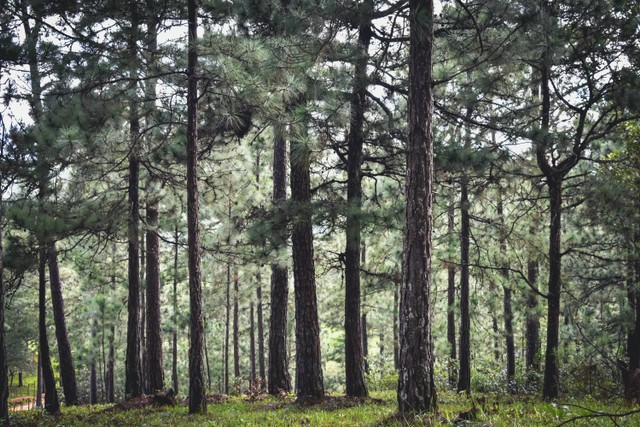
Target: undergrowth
pixel 379 410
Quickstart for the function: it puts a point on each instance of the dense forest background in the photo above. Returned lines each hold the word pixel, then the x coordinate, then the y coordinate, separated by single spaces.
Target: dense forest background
pixel 218 197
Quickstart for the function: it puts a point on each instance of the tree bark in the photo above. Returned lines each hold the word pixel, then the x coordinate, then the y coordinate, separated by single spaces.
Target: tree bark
pixel 416 385
pixel 309 379
pixel 154 365
pixel 551 385
pixel 174 361
pixel 365 342
pixel 261 364
pixel 51 402
pixel 354 355
pixel 464 375
pixel 109 379
pixel 197 398
pixel 396 337
pixel 67 370
pixel 4 377
pixel 279 379
pixel 507 307
pixel 252 347
pixel 451 304
pixel 236 328
pixel 227 328
pixel 532 329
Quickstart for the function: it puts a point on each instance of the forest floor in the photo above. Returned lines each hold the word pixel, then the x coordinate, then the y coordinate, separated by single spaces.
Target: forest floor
pixel 379 410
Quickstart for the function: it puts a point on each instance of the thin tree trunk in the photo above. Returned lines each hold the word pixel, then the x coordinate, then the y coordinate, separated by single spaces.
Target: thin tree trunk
pixel 507 308
pixel 93 375
pixel 4 378
pixel 206 356
pixel 252 347
pixel 416 385
pixel 154 365
pixel 174 361
pixel 261 364
pixel 309 378
pixel 39 383
pixel 354 356
pixel 197 398
pixel 279 379
pixel 110 374
pixel 236 328
pixel 51 402
pixel 143 315
pixel 451 303
pixel 67 370
pixel 227 329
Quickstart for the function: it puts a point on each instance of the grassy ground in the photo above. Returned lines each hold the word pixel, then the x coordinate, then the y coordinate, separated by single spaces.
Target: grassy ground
pixel 380 410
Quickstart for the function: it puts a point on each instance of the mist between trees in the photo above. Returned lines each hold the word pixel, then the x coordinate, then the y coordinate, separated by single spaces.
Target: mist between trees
pixel 319 198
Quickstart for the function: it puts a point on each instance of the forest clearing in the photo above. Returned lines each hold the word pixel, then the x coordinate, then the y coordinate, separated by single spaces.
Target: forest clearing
pixel 337 212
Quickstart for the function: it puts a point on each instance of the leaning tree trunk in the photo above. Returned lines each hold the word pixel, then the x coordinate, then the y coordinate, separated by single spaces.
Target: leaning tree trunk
pixel 309 380
pixel 551 385
pixel 354 356
pixel 279 379
pixel 51 402
pixel 67 370
pixel 197 398
pixel 416 385
pixel 155 370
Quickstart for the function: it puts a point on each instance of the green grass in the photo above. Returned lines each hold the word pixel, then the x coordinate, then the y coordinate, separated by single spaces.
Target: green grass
pixel 380 411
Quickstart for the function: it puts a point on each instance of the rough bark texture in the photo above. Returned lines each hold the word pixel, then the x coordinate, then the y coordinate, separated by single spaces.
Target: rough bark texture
pixel 416 385
pixel 354 356
pixel 197 398
pixel 279 378
pixel 154 366
pixel 309 379
pixel 464 374
pixel 365 341
pixel 67 370
pixel 551 385
pixel 51 402
pixel 133 375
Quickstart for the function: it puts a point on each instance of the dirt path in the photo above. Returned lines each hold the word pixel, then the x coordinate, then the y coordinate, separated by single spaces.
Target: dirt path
pixel 22 403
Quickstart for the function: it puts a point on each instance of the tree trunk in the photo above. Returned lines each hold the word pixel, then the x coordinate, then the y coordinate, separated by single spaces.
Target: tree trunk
pixel 4 378
pixel 464 379
pixel 133 382
pixel 416 385
pixel 109 379
pixel 67 370
pixel 227 328
pixel 507 308
pixel 197 398
pixel 93 375
pixel 451 304
pixel 261 363
pixel 39 383
pixel 236 328
pixel 143 315
pixel 279 379
pixel 354 356
pixel 51 402
pixel 174 361
pixel 154 365
pixel 252 348
pixel 309 380
pixel 551 385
